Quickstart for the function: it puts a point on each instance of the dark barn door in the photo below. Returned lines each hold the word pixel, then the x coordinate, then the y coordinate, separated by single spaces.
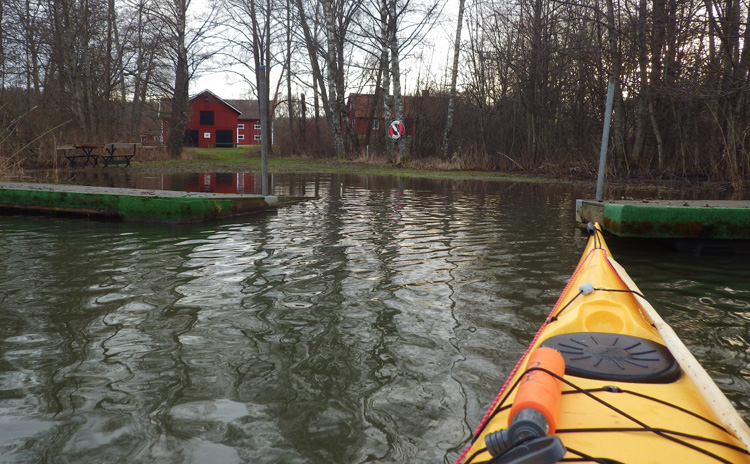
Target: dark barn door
pixel 190 139
pixel 224 138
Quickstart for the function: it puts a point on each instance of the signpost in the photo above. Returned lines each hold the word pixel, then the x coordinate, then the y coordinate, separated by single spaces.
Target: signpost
pixel 396 130
pixel 263 109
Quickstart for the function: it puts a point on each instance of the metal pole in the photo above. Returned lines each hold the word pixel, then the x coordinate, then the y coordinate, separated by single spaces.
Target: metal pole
pixel 263 109
pixel 605 139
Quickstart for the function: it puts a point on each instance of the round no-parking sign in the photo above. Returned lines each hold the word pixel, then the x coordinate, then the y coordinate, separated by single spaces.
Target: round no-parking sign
pixel 396 130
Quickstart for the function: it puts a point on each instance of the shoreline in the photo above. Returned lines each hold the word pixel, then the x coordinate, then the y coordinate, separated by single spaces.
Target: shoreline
pixel 229 160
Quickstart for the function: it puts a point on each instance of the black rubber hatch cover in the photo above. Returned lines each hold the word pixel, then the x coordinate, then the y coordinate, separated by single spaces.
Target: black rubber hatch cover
pixel 617 357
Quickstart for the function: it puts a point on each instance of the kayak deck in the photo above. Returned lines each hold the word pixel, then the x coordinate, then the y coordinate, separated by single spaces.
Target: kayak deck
pixel 628 395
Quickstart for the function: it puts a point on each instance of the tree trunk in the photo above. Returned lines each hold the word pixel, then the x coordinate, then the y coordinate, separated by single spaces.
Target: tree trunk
pixel 384 34
pixel 303 120
pixel 319 81
pixel 340 26
pixel 178 118
pixel 292 138
pixel 334 118
pixel 402 147
pixel 657 134
pixel 316 108
pixel 454 76
pixel 614 52
pixel 373 108
pixel 640 122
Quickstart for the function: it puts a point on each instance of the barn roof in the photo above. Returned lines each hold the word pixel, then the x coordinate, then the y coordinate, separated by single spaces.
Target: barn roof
pixel 360 104
pixel 199 94
pixel 249 109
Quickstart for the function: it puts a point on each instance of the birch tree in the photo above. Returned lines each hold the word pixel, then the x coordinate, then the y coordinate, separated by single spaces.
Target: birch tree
pixel 385 33
pixel 401 149
pixel 454 77
pixel 334 19
pixel 401 25
pixel 335 99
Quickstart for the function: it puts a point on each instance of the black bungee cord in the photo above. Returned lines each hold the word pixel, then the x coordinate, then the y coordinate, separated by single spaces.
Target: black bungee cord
pixel 664 433
pixel 671 435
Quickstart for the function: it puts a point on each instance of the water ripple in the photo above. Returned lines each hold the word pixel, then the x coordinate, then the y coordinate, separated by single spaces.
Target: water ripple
pixel 374 322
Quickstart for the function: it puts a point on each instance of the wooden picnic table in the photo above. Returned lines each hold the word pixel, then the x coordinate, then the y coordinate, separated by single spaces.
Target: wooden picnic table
pixel 85 151
pixel 222 145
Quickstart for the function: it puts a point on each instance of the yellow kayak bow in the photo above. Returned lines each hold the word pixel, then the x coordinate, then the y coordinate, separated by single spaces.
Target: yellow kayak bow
pixel 631 391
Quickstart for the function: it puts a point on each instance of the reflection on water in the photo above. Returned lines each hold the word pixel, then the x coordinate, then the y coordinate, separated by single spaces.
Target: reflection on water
pixel 237 183
pixel 373 322
pixel 295 184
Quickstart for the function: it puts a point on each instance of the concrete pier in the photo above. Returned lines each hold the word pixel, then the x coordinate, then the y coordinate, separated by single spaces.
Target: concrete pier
pixel 131 204
pixel 700 219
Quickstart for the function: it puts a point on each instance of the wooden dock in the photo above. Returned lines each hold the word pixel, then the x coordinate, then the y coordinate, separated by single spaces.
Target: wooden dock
pixel 672 219
pixel 130 204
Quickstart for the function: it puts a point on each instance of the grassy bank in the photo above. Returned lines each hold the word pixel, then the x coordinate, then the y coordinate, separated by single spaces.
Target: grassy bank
pixel 248 159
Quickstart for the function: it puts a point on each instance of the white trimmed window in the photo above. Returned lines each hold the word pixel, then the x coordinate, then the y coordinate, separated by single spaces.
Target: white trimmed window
pixel 375 124
pixel 240 126
pixel 257 137
pixel 240 136
pixel 257 127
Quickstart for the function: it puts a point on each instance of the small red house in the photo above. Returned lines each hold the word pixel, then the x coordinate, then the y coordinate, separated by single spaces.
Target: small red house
pixel 214 122
pixel 248 122
pixel 360 107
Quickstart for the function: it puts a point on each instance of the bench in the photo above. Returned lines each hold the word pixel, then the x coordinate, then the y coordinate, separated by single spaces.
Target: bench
pixel 222 145
pixel 85 151
pixel 74 153
pixel 118 159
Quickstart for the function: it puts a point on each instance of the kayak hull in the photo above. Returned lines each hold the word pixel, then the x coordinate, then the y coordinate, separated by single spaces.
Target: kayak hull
pixel 632 392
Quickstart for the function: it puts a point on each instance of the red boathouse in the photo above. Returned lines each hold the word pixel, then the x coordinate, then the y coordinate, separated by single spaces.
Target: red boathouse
pixel 215 122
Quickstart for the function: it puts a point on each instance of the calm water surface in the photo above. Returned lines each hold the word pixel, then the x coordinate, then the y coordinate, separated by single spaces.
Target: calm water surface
pixel 374 322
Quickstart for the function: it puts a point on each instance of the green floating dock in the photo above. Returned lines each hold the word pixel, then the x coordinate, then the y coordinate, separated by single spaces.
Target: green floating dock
pixel 131 204
pixel 697 219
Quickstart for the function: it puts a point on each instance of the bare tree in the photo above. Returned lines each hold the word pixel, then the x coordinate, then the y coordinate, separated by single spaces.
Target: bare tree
pixel 401 151
pixel 454 77
pixel 288 64
pixel 144 68
pixel 188 46
pixel 75 63
pixel 332 19
pixel 393 29
pixel 385 33
pixel 309 24
pixel 533 81
pixel 334 73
